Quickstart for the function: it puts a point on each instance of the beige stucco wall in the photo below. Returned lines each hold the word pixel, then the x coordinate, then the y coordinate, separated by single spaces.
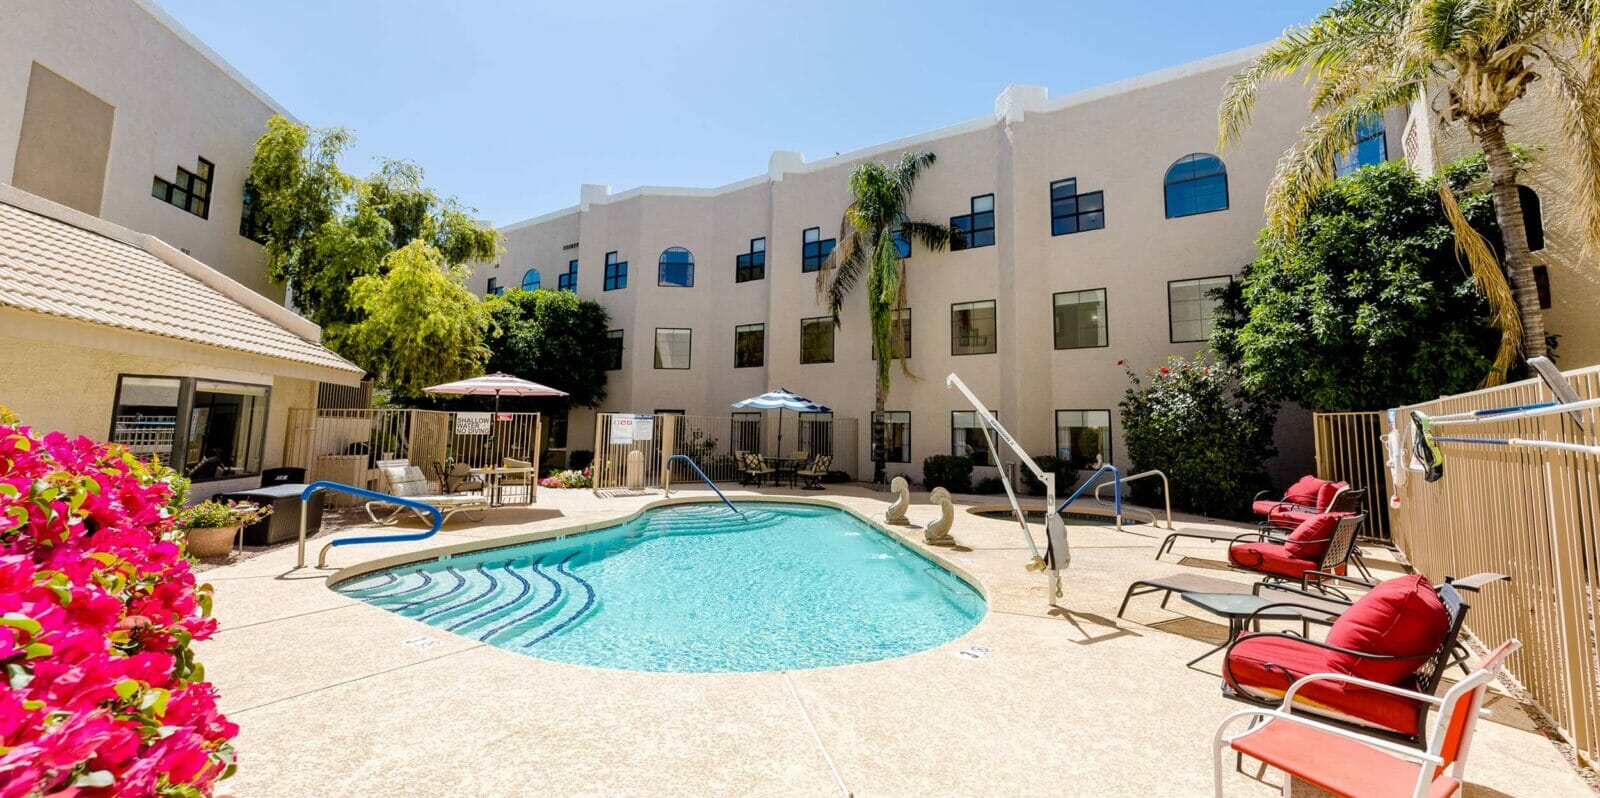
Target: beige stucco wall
pixel 1120 139
pixel 67 378
pixel 172 104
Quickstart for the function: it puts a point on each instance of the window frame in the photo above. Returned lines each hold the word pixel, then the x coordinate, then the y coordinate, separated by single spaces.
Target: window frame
pixel 171 188
pixel 811 260
pixel 182 429
pixel 494 288
pixel 994 346
pixel 538 279
pixel 1172 333
pixel 751 265
pixel 568 280
pixel 886 422
pixel 657 351
pixel 978 426
pixel 1105 320
pixel 968 224
pixel 833 342
pixel 761 354
pixel 662 265
pixel 1167 183
pixel 616 272
pixel 1110 450
pixel 616 340
pixel 1078 212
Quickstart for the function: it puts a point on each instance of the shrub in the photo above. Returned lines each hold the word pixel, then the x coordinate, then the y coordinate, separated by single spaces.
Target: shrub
pixel 1211 439
pixel 989 485
pixel 98 607
pixel 1066 475
pixel 951 472
pixel 570 478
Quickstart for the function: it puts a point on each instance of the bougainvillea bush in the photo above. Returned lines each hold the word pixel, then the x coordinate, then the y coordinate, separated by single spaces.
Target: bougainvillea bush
pixel 568 479
pixel 98 608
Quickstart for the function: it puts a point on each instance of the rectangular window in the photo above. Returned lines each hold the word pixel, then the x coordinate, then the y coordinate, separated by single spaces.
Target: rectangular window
pixel 816 340
pixel 215 430
pixel 814 249
pixel 569 280
pixel 616 273
pixel 749 346
pixel 1083 437
pixel 1080 319
pixel 1370 147
pixel 250 225
pixel 614 350
pixel 972 328
pixel 673 347
pixel 190 191
pixel 1071 212
pixel 900 333
pixel 1541 282
pixel 897 435
pixel 1190 306
pixel 977 227
pixel 967 437
pixel 495 288
pixel 902 243
pixel 145 417
pixel 751 265
pixel 746 431
pixel 816 434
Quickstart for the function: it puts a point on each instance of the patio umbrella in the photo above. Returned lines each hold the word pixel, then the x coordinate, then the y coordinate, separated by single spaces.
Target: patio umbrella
pixel 496 385
pixel 781 400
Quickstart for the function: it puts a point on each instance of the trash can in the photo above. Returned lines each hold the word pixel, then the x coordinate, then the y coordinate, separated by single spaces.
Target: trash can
pixel 284 523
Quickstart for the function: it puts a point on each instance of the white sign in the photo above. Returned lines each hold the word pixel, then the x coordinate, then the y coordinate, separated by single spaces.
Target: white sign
pixel 474 423
pixel 622 429
pixel 644 428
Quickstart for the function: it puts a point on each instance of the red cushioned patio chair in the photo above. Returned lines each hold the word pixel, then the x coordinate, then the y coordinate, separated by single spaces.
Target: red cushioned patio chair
pixel 1303 493
pixel 1401 634
pixel 1350 763
pixel 1319 545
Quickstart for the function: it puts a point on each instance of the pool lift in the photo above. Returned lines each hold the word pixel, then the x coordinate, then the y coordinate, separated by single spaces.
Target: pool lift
pixel 1057 554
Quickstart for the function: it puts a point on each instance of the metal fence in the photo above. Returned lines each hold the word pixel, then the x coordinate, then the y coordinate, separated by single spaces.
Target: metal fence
pixel 346 445
pixel 1350 448
pixel 713 443
pixel 1531 514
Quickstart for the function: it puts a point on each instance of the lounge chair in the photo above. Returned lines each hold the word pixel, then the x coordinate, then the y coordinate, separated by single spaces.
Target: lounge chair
pixel 1318 547
pixel 1350 763
pixel 1310 494
pixel 408 482
pixel 1401 635
pixel 1349 500
pixel 813 473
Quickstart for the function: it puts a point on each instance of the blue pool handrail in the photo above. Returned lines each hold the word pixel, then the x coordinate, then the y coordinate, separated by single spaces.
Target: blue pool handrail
pixel 1116 491
pixel 370 495
pixel 666 481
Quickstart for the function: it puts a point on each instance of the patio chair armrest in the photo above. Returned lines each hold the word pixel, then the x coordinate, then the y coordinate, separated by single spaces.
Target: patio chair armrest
pixel 1263 494
pixel 1249 537
pixel 1288 696
pixel 1284 715
pixel 1329 576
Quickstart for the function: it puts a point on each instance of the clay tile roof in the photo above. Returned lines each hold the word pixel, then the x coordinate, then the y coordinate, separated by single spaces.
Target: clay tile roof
pixel 49 266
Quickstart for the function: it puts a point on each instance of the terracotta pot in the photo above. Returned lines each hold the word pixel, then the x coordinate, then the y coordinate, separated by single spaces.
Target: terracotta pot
pixel 212 541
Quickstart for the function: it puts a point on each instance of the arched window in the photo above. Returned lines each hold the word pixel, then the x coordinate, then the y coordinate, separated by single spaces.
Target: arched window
pixel 531 280
pixel 1532 217
pixel 676 268
pixel 1196 183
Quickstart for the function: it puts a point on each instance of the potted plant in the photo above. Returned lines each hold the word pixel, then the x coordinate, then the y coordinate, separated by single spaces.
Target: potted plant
pixel 209 527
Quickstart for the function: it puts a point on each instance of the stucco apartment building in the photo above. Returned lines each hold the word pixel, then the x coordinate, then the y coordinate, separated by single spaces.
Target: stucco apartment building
pixel 1096 222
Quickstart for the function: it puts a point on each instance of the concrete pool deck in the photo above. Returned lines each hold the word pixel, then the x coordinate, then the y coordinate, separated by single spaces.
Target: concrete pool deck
pixel 335 697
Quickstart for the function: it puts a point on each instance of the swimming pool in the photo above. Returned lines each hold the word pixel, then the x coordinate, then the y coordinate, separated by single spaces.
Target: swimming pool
pixel 693 587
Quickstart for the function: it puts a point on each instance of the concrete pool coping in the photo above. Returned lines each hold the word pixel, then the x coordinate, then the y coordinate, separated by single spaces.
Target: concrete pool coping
pixel 336 697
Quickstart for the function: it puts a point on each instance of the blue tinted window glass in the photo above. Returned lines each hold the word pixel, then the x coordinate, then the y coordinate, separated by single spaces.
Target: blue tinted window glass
pixel 531 280
pixel 676 268
pixel 1196 184
pixel 902 243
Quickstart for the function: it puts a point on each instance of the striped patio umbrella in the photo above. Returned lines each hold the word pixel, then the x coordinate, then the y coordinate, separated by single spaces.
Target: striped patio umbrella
pixel 781 400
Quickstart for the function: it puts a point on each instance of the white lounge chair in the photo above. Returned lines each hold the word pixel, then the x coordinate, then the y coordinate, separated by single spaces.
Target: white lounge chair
pixel 408 482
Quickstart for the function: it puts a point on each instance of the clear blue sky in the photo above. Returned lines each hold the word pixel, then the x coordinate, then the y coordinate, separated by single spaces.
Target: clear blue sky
pixel 511 105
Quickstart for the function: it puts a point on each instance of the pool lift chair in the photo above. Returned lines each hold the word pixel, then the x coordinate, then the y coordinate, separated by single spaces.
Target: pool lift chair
pixel 1057 555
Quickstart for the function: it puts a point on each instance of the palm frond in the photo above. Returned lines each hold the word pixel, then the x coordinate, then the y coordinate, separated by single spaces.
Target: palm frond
pixel 840 272
pixel 1491 279
pixel 933 235
pixel 1577 92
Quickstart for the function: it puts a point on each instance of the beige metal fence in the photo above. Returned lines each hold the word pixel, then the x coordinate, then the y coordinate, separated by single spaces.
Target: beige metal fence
pixel 346 445
pixel 712 442
pixel 1528 513
pixel 1349 447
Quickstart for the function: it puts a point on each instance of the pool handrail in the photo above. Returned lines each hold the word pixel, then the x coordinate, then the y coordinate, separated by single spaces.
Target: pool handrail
pixel 1117 493
pixel 1166 491
pixel 371 495
pixel 666 480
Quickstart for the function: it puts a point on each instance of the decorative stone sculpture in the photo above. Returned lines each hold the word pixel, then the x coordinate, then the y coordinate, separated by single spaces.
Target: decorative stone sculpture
pixel 938 532
pixel 896 514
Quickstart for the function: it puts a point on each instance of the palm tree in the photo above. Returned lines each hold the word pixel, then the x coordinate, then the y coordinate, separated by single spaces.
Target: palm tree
pixel 867 248
pixel 1363 57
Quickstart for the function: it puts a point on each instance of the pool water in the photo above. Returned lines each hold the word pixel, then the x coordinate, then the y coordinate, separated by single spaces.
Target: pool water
pixel 693 588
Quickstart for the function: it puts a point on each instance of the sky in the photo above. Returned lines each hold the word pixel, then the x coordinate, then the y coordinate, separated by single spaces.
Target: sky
pixel 510 106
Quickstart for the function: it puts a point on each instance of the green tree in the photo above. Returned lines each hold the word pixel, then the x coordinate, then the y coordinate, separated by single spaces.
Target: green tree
pixel 1209 437
pixel 553 338
pixel 419 325
pixel 1367 307
pixel 324 229
pixel 1363 57
pixel 881 197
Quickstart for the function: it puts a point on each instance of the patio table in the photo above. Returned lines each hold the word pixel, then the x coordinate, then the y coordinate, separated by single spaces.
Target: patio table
pixel 784 466
pixel 492 475
pixel 1238 609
